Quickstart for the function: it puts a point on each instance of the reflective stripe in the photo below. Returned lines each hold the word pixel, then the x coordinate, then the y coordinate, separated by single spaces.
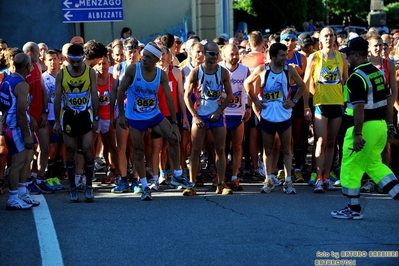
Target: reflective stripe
pixel 386 180
pixel 370 105
pixel 351 192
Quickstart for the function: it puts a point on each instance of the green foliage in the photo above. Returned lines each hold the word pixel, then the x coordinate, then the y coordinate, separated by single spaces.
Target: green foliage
pixel 245 5
pixel 392 12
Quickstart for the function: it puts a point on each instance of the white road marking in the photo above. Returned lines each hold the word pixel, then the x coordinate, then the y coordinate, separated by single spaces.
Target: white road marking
pixel 48 241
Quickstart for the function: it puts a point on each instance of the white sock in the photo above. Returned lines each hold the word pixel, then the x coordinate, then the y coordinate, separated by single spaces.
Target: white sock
pixel 288 178
pixel 234 177
pixel 144 183
pixel 77 179
pixel 21 188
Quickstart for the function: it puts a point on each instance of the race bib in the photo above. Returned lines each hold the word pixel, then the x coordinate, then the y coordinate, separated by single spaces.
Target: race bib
pixel 236 101
pixel 144 105
pixel 77 101
pixel 272 96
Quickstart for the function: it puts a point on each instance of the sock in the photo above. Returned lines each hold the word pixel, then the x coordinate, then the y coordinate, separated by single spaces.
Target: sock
pixel 355 208
pixel 353 201
pixel 33 174
pixel 144 183
pixel 162 172
pixel 71 173
pixel 319 177
pixel 234 177
pixel 21 188
pixel 288 178
pixel 89 167
pixel 178 172
pixel 12 195
pixel 155 178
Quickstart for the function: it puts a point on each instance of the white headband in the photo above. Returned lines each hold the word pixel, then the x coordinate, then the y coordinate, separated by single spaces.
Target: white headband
pixel 153 50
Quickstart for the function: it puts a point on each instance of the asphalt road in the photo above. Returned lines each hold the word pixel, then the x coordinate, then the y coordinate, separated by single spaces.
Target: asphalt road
pixel 246 228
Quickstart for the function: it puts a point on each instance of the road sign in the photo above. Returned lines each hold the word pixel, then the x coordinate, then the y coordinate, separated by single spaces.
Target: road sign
pixel 74 11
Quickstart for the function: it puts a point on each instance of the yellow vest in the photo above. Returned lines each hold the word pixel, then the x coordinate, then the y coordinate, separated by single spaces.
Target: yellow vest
pixel 76 90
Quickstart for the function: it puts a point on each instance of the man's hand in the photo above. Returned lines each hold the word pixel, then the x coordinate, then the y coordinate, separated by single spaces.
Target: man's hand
pixel 308 115
pixel 258 103
pixel 198 121
pixel 215 116
pixel 57 128
pixel 43 120
pixel 94 125
pixel 122 122
pixel 358 143
pixel 33 124
pixel 28 142
pixel 247 114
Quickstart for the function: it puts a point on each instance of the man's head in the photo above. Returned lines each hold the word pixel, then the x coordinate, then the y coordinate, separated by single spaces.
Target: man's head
pixel 151 55
pixel 306 42
pixel 77 40
pixel 211 52
pixel 23 64
pixel 375 45
pixel 43 49
pixel 168 40
pixel 197 53
pixel 231 54
pixel 131 50
pixel 255 39
pixel 32 49
pixel 94 51
pixel 327 38
pixel 356 51
pixel 166 58
pixel 118 54
pixel 3 45
pixel 278 53
pixel 76 56
pixel 288 37
pixel 52 60
pixel 103 65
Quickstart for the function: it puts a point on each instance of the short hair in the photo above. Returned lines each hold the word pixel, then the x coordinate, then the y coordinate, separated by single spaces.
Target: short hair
pixel 52 51
pixel 29 47
pixel 131 41
pixel 275 47
pixel 75 50
pixel 255 38
pixel 3 41
pixel 194 37
pixel 94 49
pixel 124 30
pixel 168 40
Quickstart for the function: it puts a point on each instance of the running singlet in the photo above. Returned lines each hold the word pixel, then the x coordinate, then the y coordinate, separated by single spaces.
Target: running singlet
pixel 34 79
pixel 122 70
pixel 327 76
pixel 76 90
pixel 209 93
pixel 163 105
pixel 274 92
pixel 104 98
pixel 49 83
pixel 237 78
pixel 252 60
pixel 8 102
pixel 142 100
pixel 296 59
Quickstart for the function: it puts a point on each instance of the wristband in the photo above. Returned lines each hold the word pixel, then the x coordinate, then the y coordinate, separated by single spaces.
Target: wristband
pixel 306 109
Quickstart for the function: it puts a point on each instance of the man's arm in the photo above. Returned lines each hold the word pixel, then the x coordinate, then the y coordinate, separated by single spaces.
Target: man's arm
pixel 115 84
pixel 358 117
pixel 180 92
pixel 191 83
pixel 44 115
pixel 21 92
pixel 127 80
pixel 228 90
pixel 251 88
pixel 94 97
pixel 302 92
pixel 57 102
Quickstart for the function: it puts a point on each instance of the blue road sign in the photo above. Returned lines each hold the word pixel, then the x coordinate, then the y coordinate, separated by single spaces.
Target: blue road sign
pixel 74 11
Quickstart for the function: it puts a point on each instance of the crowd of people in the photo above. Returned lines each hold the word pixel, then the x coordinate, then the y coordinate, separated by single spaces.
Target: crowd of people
pixel 177 114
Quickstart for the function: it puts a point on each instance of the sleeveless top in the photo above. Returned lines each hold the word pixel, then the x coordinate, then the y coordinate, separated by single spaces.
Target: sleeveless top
pixel 327 76
pixel 142 100
pixel 49 83
pixel 237 78
pixel 209 93
pixel 274 91
pixel 122 70
pixel 8 102
pixel 34 80
pixel 76 90
pixel 163 105
pixel 104 98
pixel 296 59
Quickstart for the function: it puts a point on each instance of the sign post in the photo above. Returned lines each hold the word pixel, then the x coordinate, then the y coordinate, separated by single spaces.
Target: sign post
pixel 75 11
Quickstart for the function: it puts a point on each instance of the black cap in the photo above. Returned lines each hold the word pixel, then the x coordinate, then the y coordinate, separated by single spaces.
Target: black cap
pixel 304 39
pixel 356 44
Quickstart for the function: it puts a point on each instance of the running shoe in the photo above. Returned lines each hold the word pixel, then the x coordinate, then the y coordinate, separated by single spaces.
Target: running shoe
pixel 57 183
pixel 146 196
pixel 328 186
pixel 318 186
pixel 275 181
pixel 223 189
pixel 121 187
pixel 180 182
pixel 257 176
pixel 212 171
pixel 312 180
pixel 34 190
pixel 281 175
pixel 267 187
pixel 235 185
pixel 44 187
pixel 73 194
pixel 347 213
pixel 154 185
pixel 163 179
pixel 18 204
pixel 333 177
pixel 288 188
pixel 189 192
pixel 298 176
pixel 337 183
pixel 89 195
pixel 29 199
pixel 136 188
pixel 368 186
pixel 81 186
pixel 51 184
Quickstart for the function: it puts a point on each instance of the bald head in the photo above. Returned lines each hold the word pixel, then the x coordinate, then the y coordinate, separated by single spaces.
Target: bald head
pixel 21 61
pixel 32 49
pixel 211 46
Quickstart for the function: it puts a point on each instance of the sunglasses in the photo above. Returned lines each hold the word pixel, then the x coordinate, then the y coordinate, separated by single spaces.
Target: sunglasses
pixel 212 53
pixel 178 42
pixel 130 47
pixel 289 39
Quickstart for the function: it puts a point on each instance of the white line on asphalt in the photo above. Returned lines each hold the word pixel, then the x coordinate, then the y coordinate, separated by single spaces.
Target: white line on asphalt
pixel 48 241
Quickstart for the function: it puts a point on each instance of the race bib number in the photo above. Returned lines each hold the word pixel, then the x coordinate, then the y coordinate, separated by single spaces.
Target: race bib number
pixel 271 96
pixel 145 105
pixel 236 101
pixel 77 101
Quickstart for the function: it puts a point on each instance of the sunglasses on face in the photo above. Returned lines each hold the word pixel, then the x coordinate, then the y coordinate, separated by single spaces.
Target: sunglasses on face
pixel 289 40
pixel 212 53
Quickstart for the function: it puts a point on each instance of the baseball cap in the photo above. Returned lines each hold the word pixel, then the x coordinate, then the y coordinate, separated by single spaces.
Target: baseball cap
pixel 356 44
pixel 304 39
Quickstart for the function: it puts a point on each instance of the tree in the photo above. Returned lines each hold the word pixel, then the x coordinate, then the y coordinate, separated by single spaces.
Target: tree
pixel 392 12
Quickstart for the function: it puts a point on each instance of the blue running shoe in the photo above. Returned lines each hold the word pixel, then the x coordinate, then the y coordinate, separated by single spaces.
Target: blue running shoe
pixel 121 188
